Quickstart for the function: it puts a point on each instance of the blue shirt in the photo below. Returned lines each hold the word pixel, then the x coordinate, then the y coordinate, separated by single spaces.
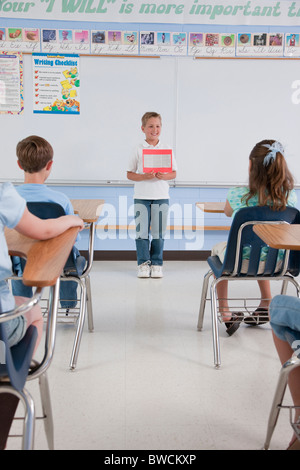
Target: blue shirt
pixel 41 193
pixel 32 192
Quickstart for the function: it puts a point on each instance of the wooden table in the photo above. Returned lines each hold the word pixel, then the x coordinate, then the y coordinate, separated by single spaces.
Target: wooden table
pixel 213 207
pixel 280 236
pixel 45 259
pixel 88 210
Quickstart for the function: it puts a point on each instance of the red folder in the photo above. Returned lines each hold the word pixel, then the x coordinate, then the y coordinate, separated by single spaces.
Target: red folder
pixel 157 160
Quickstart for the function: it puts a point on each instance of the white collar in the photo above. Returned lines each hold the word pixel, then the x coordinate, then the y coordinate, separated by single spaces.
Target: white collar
pixel 146 145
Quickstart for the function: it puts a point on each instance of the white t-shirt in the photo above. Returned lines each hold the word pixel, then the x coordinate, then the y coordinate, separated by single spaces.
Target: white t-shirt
pixel 149 189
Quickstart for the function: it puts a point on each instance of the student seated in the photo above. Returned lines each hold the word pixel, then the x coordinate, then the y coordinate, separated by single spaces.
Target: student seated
pixel 14 214
pixel 285 315
pixel 35 158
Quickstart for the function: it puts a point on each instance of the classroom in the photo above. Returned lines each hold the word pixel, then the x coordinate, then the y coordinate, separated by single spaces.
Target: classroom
pixel 136 372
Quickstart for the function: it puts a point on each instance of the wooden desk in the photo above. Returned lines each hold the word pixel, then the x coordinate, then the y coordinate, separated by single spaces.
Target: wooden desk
pixel 212 207
pixel 88 210
pixel 45 258
pixel 280 236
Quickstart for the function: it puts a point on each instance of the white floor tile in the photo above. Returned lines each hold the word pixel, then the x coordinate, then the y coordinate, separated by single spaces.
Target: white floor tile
pixel 145 378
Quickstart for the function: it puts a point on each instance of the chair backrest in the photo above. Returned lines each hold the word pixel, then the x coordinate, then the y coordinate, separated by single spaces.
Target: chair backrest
pixel 51 210
pixel 15 361
pixel 249 239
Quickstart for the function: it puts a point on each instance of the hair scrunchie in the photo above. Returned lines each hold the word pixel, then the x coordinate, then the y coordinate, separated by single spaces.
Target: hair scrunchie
pixel 273 149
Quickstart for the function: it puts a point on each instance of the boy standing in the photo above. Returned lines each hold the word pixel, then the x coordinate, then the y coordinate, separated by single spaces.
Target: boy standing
pixel 35 158
pixel 151 200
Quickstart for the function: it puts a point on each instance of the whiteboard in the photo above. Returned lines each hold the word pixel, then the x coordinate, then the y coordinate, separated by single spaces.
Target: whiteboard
pixel 96 145
pixel 227 106
pixel 213 110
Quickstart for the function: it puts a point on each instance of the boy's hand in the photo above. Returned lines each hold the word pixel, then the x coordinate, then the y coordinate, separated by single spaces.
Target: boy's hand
pixel 75 221
pixel 159 175
pixel 149 176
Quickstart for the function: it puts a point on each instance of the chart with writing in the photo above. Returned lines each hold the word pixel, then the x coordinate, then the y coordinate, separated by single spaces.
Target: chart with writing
pixel 56 84
pixel 157 160
pixel 11 83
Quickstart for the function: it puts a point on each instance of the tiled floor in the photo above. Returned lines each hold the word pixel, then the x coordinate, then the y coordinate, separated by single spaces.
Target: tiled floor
pixel 145 378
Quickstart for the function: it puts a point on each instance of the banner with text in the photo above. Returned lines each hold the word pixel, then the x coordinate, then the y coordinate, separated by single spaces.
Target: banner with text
pixel 220 12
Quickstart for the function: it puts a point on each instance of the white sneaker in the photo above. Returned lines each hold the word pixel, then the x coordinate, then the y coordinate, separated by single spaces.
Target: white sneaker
pixel 156 271
pixel 144 269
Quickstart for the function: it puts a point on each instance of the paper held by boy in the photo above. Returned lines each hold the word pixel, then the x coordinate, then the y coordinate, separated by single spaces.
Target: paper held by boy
pixel 157 160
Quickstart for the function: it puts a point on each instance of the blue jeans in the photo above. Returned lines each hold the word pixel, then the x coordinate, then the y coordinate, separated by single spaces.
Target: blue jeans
pixel 152 213
pixel 68 289
pixel 285 315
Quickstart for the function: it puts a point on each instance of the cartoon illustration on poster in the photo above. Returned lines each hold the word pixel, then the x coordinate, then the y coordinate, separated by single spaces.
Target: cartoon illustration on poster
pixel 56 84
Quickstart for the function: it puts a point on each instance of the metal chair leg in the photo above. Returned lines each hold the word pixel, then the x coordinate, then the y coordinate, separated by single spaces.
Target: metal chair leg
pixel 215 326
pixel 80 325
pixel 29 415
pixel 89 304
pixel 29 420
pixel 278 397
pixel 47 410
pixel 203 300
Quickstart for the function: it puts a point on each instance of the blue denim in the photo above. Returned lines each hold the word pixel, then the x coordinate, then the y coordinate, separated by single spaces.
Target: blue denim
pixel 68 289
pixel 285 315
pixel 154 214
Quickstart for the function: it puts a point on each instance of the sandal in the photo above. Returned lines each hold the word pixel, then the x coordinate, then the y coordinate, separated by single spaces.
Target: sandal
pixel 234 323
pixel 258 317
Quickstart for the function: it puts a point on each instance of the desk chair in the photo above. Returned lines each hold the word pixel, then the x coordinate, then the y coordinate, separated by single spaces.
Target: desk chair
pixel 241 235
pixel 71 273
pixel 292 336
pixel 15 363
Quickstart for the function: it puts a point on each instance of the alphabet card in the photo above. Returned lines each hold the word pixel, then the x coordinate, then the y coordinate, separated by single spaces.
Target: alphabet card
pixel 20 39
pixel 260 45
pixel 292 45
pixel 211 45
pixel 163 43
pixel 114 42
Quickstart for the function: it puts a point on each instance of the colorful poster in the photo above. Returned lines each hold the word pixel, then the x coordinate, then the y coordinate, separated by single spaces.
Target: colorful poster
pixel 11 83
pixel 56 84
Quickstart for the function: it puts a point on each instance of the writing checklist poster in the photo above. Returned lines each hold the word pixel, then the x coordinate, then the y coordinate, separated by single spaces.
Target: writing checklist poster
pixel 56 83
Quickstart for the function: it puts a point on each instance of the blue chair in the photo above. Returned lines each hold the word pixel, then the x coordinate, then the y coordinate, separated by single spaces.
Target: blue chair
pixel 292 337
pixel 76 271
pixel 241 235
pixel 15 364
